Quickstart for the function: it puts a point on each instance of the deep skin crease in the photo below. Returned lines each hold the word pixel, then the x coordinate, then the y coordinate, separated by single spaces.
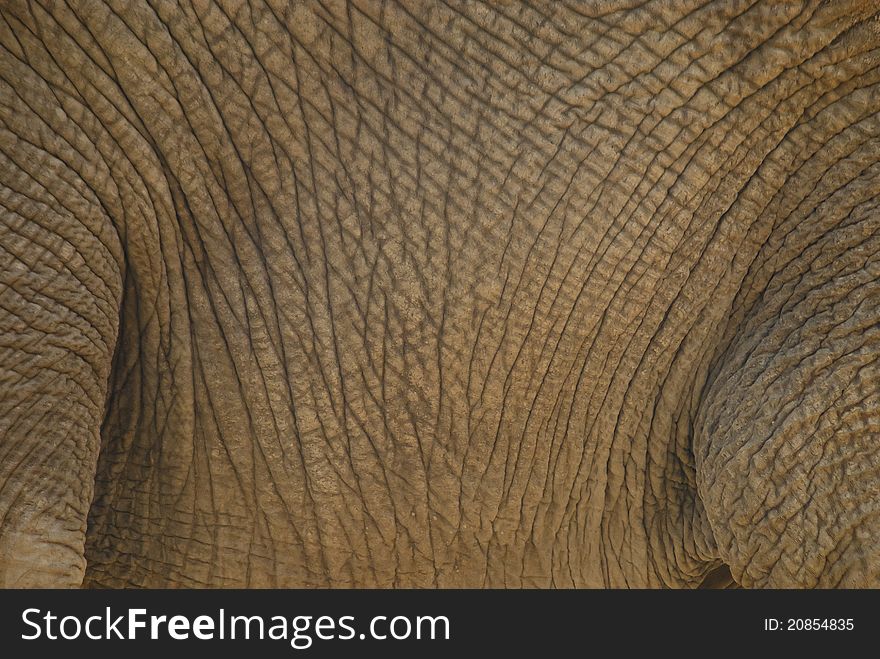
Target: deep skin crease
pixel 479 294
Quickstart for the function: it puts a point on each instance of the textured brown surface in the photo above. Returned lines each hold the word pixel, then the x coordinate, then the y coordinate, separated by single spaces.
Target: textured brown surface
pixel 439 294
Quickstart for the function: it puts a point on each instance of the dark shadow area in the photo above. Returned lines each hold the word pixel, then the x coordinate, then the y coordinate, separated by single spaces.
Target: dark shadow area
pixel 719 578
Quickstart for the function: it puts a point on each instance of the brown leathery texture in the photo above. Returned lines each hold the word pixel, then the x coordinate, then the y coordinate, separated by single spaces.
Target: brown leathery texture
pixel 411 293
pixel 789 467
pixel 60 288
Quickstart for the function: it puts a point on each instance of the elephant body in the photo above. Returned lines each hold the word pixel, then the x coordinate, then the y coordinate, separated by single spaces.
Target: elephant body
pixel 463 294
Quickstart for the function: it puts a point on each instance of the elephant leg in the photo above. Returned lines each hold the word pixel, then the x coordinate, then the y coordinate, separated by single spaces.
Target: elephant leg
pixel 60 283
pixel 788 439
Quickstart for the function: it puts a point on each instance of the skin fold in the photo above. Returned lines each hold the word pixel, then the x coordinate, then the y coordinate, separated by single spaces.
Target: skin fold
pixel 455 294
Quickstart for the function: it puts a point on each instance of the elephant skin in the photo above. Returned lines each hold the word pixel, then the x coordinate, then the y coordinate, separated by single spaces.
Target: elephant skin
pixel 460 294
